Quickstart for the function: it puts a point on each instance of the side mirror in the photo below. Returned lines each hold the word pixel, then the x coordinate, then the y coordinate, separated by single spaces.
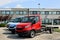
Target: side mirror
pixel 33 22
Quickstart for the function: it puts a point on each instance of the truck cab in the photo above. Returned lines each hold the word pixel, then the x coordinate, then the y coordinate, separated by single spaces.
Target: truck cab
pixel 29 26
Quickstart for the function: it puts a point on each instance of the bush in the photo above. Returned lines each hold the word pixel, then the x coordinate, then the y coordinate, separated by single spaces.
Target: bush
pixel 3 25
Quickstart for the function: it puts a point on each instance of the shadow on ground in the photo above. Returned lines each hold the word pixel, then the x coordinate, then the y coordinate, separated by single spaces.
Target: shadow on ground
pixel 12 36
pixel 15 36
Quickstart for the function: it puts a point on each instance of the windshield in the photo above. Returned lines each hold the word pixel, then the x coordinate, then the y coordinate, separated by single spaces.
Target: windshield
pixel 16 20
pixel 11 20
pixel 29 19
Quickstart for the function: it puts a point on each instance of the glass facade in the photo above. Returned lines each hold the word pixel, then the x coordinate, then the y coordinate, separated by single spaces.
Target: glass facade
pixel 58 12
pixel 38 12
pixel 11 12
pixel 31 12
pixel 3 12
pixel 17 12
pixel 47 21
pixel 50 12
pixel 24 13
pixel 42 13
pixel 54 13
pixel 7 12
pixel 21 12
pixel 45 12
pixel 56 22
pixel 44 21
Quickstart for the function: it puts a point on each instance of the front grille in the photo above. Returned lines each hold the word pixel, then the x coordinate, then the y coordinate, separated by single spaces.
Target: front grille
pixel 19 28
pixel 11 27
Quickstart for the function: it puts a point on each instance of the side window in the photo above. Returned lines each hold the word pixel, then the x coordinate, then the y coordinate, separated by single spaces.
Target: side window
pixel 25 19
pixel 36 19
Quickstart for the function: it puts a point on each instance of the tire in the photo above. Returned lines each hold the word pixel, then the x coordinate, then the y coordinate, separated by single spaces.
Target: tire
pixel 32 34
pixel 13 32
pixel 43 29
pixel 20 35
pixel 50 30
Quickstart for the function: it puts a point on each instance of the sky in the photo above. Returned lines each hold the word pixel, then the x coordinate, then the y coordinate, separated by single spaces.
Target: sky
pixel 29 3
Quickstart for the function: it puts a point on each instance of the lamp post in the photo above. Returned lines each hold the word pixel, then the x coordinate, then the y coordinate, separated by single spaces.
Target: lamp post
pixel 28 11
pixel 38 5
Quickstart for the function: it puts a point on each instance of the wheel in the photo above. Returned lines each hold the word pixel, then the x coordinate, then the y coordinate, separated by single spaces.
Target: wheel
pixel 50 30
pixel 42 29
pixel 13 32
pixel 20 35
pixel 32 34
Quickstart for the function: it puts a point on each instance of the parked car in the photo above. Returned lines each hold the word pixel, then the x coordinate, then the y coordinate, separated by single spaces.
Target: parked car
pixel 11 25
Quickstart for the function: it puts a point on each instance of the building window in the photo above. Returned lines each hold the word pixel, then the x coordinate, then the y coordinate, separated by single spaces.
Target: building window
pixel 7 12
pixel 33 12
pixel 57 22
pixel 24 12
pixel 54 13
pixel 3 12
pixel 11 12
pixel 17 12
pixel 21 13
pixel 58 12
pixel 42 13
pixel 46 13
pixel 43 21
pixel 0 12
pixel 50 13
pixel 47 21
pixel 38 12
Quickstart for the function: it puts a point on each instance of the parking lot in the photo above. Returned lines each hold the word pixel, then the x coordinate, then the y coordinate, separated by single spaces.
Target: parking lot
pixel 6 35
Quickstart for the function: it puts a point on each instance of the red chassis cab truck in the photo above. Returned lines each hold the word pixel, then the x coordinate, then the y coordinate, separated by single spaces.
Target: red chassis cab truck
pixel 29 26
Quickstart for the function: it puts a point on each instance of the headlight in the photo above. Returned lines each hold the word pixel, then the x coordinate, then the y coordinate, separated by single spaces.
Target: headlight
pixel 15 27
pixel 27 26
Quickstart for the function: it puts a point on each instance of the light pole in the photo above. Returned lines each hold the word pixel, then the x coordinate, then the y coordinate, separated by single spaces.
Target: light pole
pixel 38 5
pixel 28 11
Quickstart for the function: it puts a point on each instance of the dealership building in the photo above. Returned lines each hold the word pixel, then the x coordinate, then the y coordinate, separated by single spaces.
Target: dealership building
pixel 47 14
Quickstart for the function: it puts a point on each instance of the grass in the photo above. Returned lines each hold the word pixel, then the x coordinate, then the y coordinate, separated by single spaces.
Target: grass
pixel 57 30
pixel 3 25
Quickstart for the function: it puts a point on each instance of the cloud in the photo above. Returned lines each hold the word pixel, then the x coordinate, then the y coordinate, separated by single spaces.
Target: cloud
pixel 18 6
pixel 4 2
pixel 7 7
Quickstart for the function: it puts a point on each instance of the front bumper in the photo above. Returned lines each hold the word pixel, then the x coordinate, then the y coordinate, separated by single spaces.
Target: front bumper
pixel 11 29
pixel 24 33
